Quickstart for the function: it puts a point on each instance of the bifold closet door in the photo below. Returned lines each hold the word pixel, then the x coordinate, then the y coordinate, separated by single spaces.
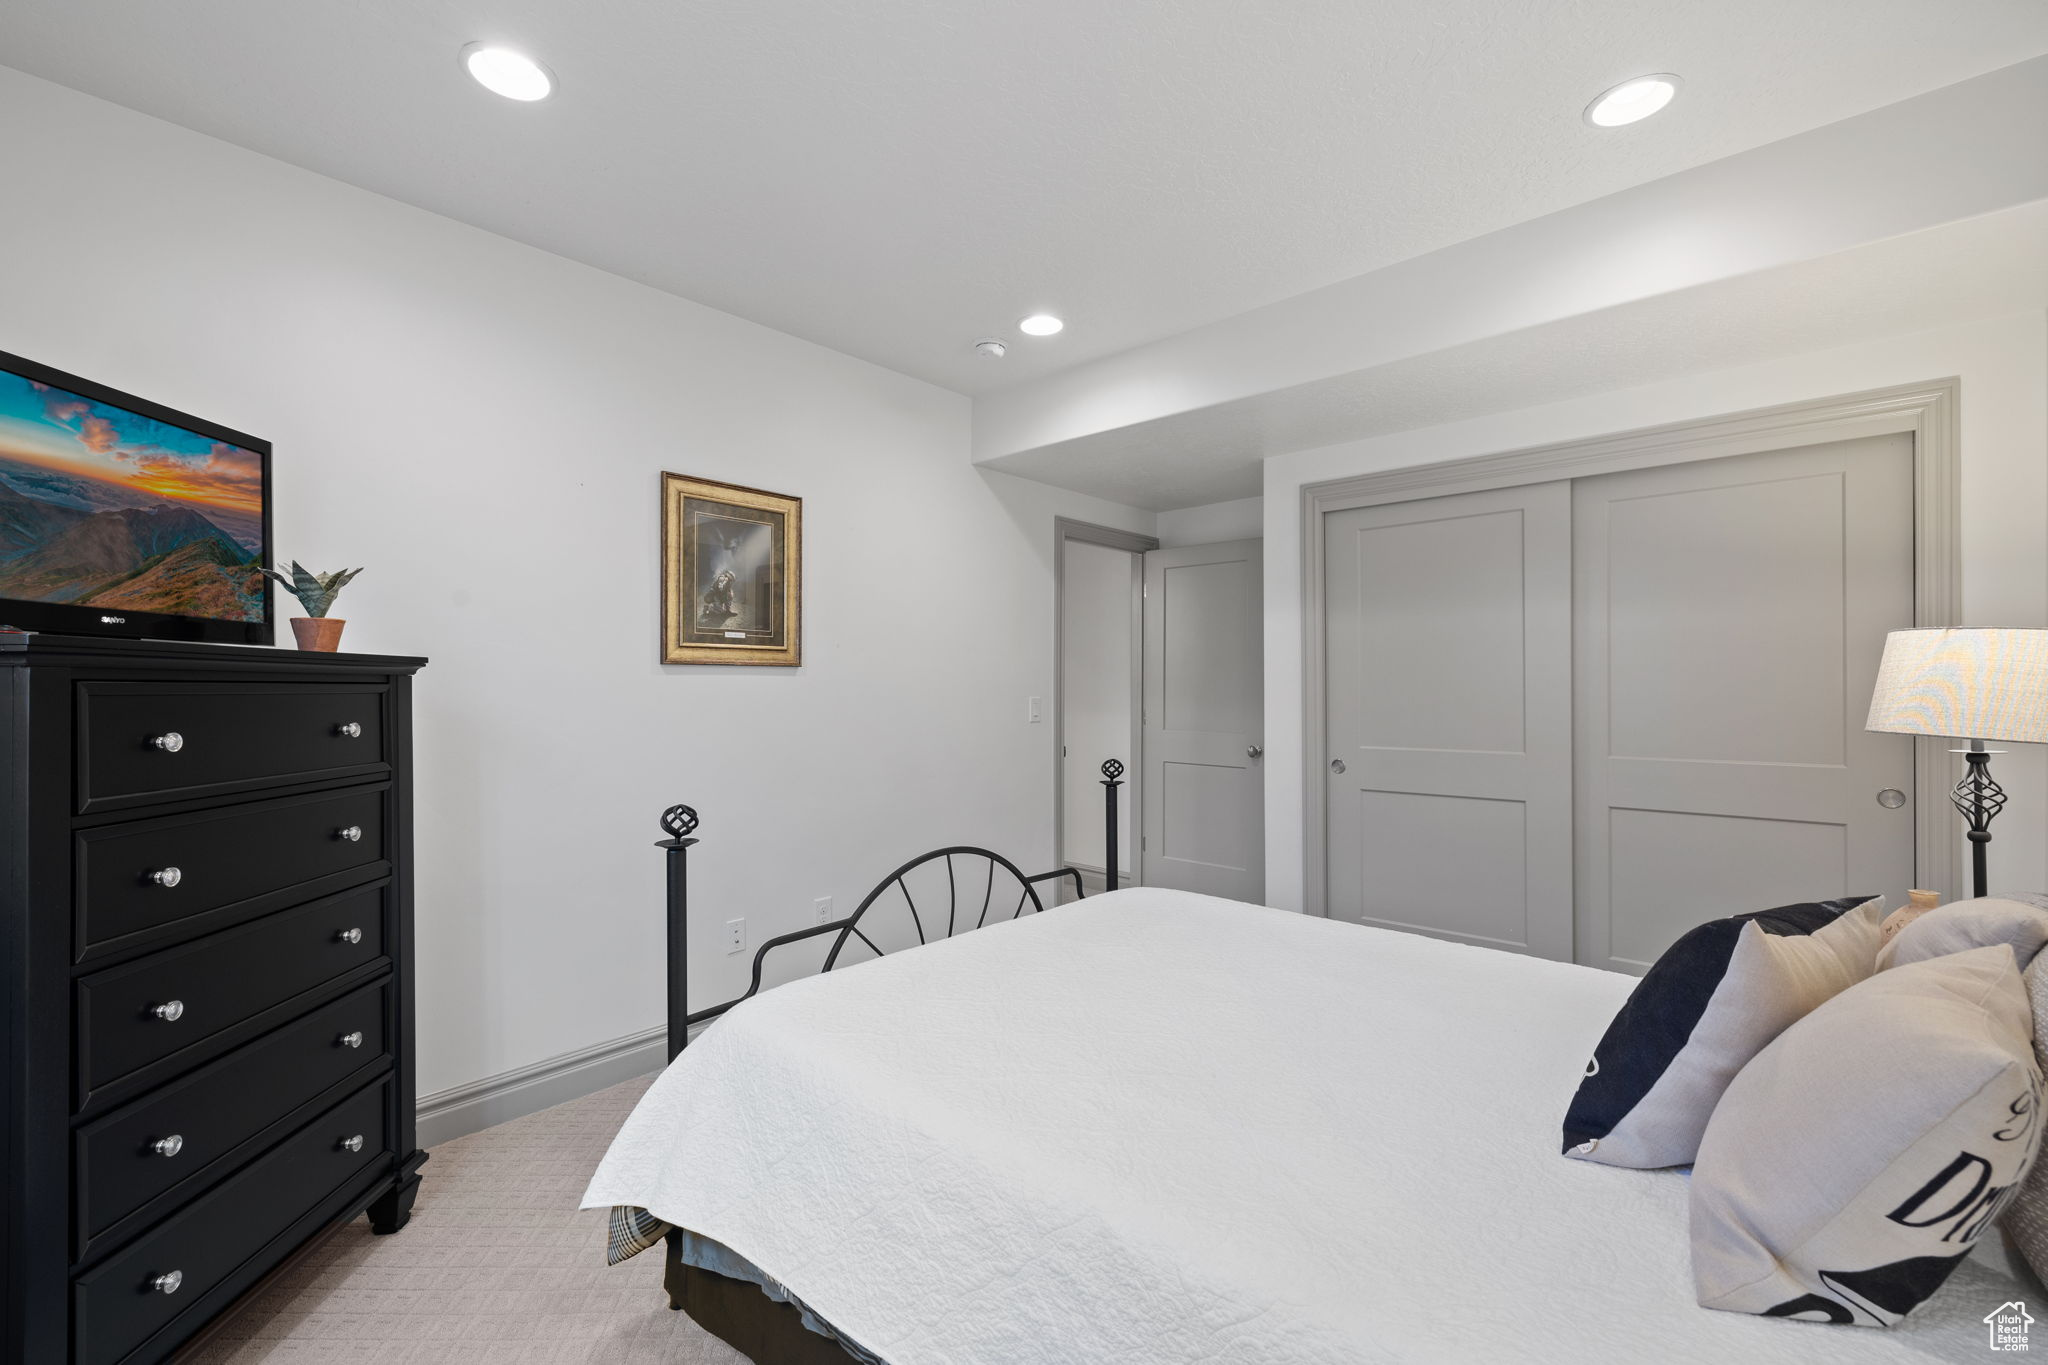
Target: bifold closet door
pixel 1730 615
pixel 1448 717
pixel 1205 687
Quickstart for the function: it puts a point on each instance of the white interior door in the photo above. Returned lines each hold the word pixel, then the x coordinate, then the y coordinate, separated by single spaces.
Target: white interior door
pixel 1205 823
pixel 1730 614
pixel 1448 717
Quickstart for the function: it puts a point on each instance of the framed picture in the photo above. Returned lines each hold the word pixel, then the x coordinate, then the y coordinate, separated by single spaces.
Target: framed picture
pixel 731 574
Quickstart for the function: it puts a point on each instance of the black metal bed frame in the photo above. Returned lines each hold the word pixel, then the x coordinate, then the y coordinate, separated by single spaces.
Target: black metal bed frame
pixel 680 823
pixel 736 1311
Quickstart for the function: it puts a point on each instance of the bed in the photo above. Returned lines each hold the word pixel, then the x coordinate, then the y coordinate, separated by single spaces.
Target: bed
pixel 1159 1128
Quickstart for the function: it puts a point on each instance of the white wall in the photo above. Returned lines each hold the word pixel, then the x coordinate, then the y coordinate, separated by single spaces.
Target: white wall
pixel 483 425
pixel 1212 523
pixel 1096 695
pixel 2003 366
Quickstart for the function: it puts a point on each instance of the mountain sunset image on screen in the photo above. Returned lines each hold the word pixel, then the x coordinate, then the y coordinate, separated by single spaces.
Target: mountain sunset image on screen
pixel 103 507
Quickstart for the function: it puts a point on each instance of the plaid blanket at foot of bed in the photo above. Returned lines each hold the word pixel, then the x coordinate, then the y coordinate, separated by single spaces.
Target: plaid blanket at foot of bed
pixel 633 1230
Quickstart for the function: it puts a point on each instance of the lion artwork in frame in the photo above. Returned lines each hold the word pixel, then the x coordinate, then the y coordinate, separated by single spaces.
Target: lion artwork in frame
pixel 731 574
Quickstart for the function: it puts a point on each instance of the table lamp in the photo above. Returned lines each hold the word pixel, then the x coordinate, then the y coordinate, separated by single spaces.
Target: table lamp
pixel 1966 684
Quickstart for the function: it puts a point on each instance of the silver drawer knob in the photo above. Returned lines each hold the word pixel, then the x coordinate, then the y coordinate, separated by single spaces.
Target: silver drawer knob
pixel 354 1039
pixel 170 742
pixel 169 1282
pixel 353 834
pixel 352 1143
pixel 352 730
pixel 168 1146
pixel 171 1011
pixel 350 935
pixel 167 876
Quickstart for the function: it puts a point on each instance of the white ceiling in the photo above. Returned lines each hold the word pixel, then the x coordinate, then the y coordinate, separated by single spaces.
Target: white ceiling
pixel 894 178
pixel 1973 268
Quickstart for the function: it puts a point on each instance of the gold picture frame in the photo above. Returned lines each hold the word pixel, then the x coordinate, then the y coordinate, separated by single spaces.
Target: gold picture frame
pixel 731 574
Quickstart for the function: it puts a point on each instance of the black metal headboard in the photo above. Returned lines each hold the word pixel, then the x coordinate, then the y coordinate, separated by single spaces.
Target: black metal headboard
pixel 965 881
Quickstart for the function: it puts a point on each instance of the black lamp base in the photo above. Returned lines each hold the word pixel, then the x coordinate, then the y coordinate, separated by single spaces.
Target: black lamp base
pixel 1978 798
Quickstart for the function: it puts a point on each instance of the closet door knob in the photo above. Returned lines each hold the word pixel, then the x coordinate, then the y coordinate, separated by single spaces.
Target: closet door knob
pixel 354 1039
pixel 168 1282
pixel 1891 798
pixel 1336 765
pixel 352 1143
pixel 168 1146
pixel 353 834
pixel 171 1011
pixel 167 876
pixel 350 935
pixel 170 742
pixel 1253 750
pixel 352 730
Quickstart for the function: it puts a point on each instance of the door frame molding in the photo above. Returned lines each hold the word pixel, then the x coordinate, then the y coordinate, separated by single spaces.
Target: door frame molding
pixel 1066 529
pixel 1928 411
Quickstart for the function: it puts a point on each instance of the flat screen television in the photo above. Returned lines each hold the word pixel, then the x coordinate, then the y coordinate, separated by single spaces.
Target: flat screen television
pixel 121 517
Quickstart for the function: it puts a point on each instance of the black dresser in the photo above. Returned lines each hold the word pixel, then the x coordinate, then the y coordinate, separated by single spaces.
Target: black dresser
pixel 206 933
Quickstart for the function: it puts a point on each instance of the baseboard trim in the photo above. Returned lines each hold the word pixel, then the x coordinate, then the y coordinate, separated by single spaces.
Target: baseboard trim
pixel 464 1109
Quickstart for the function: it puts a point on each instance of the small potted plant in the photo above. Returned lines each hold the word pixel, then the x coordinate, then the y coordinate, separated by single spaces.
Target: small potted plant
pixel 316 592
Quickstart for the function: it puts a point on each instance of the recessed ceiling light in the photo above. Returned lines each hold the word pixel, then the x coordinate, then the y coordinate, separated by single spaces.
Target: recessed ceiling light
pixel 1040 325
pixel 991 348
pixel 1632 100
pixel 502 71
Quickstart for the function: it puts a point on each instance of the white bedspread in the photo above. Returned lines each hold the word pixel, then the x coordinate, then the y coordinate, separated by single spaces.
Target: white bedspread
pixel 1155 1128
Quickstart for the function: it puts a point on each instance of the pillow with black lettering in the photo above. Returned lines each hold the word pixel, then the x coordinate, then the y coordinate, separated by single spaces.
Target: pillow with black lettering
pixel 1712 1002
pixel 1854 1164
pixel 2026 1220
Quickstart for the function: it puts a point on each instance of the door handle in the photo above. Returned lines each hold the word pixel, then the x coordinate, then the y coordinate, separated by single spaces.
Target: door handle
pixel 1252 751
pixel 1336 765
pixel 1891 798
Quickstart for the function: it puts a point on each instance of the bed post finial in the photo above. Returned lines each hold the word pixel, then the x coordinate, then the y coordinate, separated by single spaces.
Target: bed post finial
pixel 678 822
pixel 1112 778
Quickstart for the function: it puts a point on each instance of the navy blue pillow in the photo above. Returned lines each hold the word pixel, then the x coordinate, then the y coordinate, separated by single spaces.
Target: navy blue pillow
pixel 1712 1001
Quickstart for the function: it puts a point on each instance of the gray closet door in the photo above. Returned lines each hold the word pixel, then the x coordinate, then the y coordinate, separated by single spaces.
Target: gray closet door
pixel 1205 809
pixel 1730 614
pixel 1448 717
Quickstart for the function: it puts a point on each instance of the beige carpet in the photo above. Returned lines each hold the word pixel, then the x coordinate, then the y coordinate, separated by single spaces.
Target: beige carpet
pixel 497 1265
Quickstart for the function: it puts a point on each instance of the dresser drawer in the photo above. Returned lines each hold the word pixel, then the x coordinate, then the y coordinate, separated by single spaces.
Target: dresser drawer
pixel 174 1134
pixel 133 1015
pixel 142 742
pixel 121 1304
pixel 133 878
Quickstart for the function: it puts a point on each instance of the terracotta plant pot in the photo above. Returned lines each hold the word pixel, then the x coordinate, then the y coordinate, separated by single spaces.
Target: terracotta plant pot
pixel 322 633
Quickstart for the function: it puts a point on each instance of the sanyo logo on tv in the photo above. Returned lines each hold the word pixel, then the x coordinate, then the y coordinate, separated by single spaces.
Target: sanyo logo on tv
pixel 113 620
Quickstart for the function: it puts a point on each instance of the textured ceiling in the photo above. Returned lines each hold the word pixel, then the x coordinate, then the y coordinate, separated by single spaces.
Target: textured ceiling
pixel 894 178
pixel 1973 268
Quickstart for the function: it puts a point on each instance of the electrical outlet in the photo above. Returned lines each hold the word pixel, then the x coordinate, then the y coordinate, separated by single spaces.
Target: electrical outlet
pixel 821 910
pixel 735 935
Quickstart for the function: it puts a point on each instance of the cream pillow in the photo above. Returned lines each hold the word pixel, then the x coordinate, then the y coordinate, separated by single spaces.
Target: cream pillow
pixel 1856 1161
pixel 1706 1007
pixel 1962 925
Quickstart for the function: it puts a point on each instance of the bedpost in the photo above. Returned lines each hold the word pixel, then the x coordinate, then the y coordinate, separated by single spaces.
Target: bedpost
pixel 1112 778
pixel 677 822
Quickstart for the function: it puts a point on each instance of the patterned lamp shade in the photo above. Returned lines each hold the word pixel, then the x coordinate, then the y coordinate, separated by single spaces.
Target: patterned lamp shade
pixel 1965 684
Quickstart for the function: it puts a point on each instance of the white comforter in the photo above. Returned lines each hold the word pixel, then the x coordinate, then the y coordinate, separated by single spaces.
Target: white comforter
pixel 1163 1128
